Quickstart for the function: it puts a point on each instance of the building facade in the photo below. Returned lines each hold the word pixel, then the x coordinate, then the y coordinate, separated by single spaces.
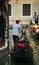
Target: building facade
pixel 22 10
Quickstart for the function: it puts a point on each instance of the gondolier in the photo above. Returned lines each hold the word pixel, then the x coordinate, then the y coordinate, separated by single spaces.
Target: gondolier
pixel 15 33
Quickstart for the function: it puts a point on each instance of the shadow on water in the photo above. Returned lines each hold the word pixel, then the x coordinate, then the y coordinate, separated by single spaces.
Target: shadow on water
pixel 16 62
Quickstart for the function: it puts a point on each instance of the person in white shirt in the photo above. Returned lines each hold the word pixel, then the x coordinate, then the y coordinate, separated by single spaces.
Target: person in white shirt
pixel 15 33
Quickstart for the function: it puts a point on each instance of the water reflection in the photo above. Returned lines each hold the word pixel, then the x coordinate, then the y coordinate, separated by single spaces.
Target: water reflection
pixel 4 60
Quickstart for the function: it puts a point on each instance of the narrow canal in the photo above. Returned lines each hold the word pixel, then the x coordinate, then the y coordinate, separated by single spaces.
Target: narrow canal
pixel 6 60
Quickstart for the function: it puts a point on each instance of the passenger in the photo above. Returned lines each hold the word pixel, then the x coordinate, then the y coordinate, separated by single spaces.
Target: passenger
pixel 15 33
pixel 35 18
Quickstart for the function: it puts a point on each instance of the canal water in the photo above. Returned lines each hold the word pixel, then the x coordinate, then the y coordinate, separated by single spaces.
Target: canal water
pixel 6 60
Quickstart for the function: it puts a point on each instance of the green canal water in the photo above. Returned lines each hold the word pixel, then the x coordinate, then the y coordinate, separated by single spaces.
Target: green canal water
pixel 32 38
pixel 6 60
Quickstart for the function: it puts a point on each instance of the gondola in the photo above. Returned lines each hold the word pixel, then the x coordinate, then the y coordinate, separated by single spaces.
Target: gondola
pixel 34 30
pixel 24 52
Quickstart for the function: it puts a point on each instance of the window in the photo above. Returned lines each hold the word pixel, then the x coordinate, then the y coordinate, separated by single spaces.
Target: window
pixel 9 6
pixel 26 9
